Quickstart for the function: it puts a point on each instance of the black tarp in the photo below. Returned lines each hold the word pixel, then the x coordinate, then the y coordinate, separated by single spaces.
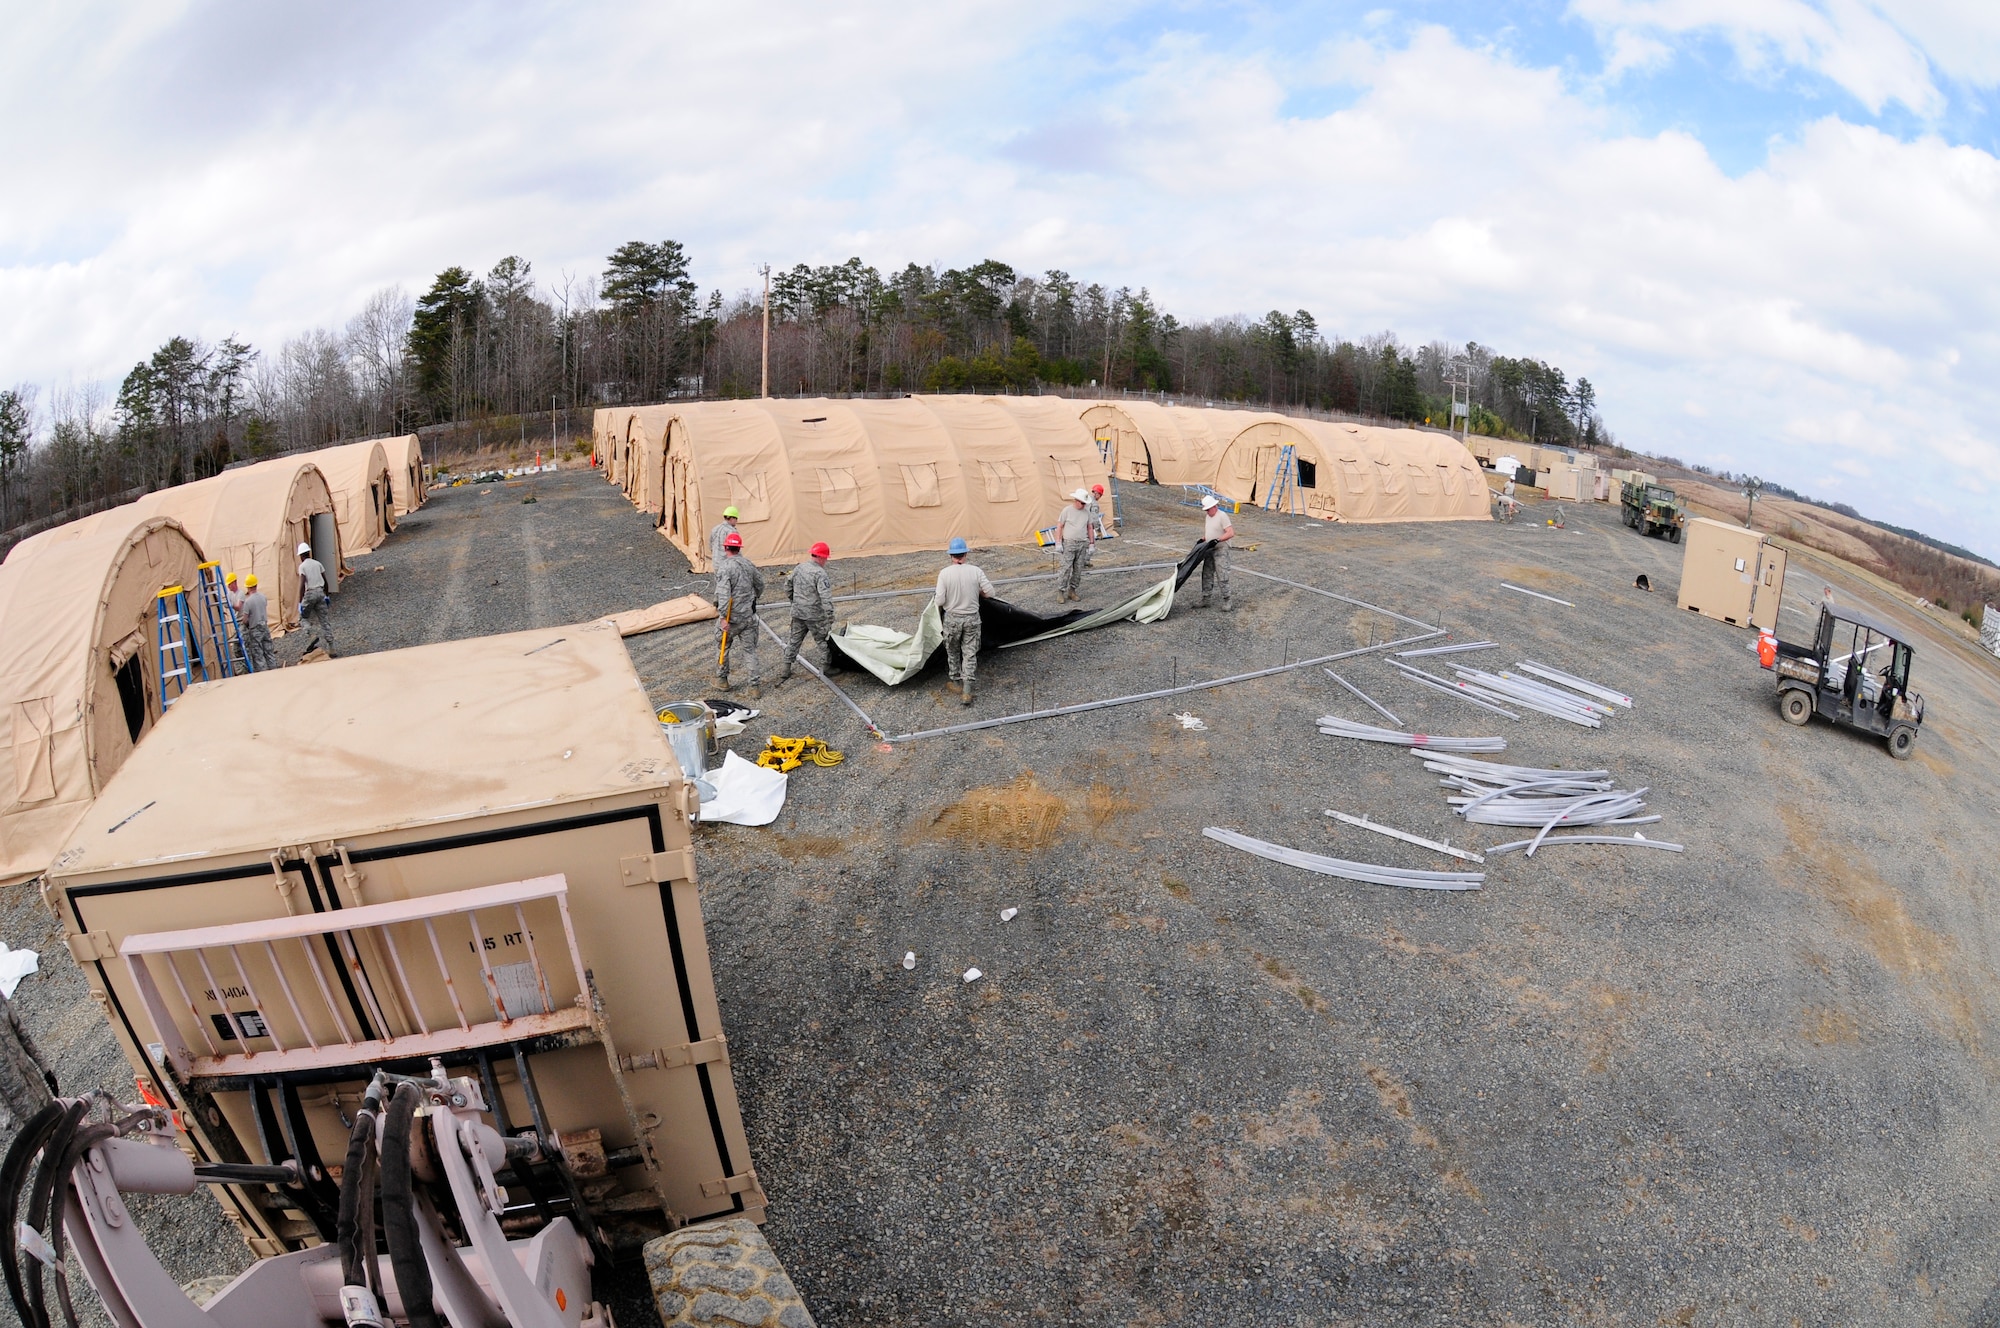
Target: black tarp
pixel 1001 622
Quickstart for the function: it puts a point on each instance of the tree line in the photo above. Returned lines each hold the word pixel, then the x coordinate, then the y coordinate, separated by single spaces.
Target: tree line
pixel 501 344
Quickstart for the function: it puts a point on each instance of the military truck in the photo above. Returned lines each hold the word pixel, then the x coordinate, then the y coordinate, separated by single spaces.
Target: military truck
pixel 1652 509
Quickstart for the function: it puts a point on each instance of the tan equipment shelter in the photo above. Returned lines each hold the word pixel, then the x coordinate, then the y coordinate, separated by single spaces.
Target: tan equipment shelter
pixel 1731 573
pixel 871 477
pixel 1149 442
pixel 249 519
pixel 1356 472
pixel 406 472
pixel 363 493
pixel 477 851
pixel 79 673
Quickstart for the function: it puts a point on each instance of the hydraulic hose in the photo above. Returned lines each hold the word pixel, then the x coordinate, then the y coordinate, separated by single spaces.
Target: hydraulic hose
pixel 48 1179
pixel 13 1176
pixel 399 1210
pixel 356 1228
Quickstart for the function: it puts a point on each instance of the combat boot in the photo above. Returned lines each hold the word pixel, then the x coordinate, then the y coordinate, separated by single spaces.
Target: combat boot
pixel 965 693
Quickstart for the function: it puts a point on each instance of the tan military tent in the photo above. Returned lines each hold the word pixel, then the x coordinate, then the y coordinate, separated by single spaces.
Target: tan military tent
pixel 865 476
pixel 1356 472
pixel 250 519
pixel 1162 444
pixel 607 432
pixel 79 672
pixel 360 476
pixel 406 471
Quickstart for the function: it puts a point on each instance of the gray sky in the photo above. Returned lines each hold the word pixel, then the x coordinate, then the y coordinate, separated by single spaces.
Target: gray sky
pixel 1765 229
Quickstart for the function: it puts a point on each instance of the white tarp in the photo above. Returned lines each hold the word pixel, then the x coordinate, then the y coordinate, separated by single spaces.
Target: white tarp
pixel 15 965
pixel 891 655
pixel 745 793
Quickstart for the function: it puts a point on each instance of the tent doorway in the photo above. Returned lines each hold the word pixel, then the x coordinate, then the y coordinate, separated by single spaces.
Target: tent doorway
pixel 131 679
pixel 325 541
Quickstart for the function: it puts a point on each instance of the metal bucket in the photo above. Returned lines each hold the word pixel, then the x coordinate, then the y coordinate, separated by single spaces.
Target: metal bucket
pixel 690 729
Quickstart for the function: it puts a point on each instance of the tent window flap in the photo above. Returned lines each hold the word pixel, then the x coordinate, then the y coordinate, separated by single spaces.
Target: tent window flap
pixel 1001 484
pixel 838 493
pixel 747 493
pixel 920 485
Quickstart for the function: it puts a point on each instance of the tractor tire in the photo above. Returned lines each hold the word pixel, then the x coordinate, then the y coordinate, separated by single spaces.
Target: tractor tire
pixel 722 1274
pixel 1795 707
pixel 1902 741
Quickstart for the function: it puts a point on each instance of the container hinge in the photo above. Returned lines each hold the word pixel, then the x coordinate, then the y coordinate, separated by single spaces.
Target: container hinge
pixel 92 946
pixel 746 1183
pixel 676 864
pixel 706 1052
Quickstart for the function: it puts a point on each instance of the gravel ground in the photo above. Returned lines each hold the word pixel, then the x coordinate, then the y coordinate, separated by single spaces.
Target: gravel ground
pixel 1744 1084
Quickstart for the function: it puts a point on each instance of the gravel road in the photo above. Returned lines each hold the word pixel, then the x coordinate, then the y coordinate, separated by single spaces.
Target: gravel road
pixel 1748 1083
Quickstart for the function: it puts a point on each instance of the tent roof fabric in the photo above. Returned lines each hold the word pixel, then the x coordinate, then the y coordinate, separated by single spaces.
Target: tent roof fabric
pixel 406 471
pixel 350 469
pixel 64 606
pixel 1364 474
pixel 1183 444
pixel 866 476
pixel 509 723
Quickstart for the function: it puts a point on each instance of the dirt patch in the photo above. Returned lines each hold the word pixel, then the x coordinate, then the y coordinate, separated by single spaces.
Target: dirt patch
pixel 1876 914
pixel 1019 815
pixel 793 847
pixel 1830 1028
pixel 1523 575
pixel 1293 1121
pixel 1289 982
pixel 1368 628
pixel 1396 1098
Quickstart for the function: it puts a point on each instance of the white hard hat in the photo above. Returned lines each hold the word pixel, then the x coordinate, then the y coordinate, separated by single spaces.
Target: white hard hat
pixel 1208 500
pixel 1081 495
pixel 305 549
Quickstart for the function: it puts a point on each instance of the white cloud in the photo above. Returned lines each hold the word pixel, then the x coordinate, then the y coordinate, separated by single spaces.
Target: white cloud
pixel 1880 51
pixel 222 171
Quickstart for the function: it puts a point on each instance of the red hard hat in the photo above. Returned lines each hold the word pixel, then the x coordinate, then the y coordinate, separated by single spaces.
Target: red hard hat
pixel 732 541
pixel 820 550
pixel 1097 489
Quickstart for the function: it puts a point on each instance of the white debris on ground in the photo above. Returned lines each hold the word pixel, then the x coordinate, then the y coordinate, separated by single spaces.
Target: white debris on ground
pixel 1190 721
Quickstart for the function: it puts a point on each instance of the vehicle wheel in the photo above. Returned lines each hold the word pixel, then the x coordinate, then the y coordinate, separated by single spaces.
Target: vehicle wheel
pixel 1796 707
pixel 1674 535
pixel 722 1274
pixel 1902 741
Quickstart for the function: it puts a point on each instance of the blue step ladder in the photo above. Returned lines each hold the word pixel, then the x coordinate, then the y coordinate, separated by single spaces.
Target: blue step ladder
pixel 180 653
pixel 232 658
pixel 1283 494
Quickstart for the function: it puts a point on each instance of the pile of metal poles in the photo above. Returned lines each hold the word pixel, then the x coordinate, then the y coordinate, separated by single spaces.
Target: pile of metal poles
pixel 1490 794
pixel 1587 705
pixel 1336 727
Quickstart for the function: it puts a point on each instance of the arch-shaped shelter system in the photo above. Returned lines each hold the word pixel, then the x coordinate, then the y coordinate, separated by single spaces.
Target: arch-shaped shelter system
pixel 873 477
pixel 643 469
pixel 79 672
pixel 1148 441
pixel 1356 472
pixel 406 471
pixel 249 519
pixel 362 482
pixel 607 439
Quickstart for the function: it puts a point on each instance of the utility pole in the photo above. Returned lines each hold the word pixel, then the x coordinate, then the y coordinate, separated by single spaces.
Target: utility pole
pixel 764 390
pixel 1751 488
pixel 1461 384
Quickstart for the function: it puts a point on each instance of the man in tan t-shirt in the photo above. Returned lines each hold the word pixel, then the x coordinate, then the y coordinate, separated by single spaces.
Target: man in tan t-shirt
pixel 960 587
pixel 1215 526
